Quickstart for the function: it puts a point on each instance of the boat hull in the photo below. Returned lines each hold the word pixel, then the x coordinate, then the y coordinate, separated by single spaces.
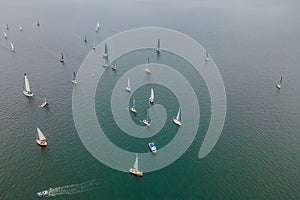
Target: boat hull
pixel 146 122
pixel 128 89
pixel 74 82
pixel 135 172
pixel 41 143
pixel 176 121
pixel 27 94
pixel 152 148
pixel 278 86
pixel 44 104
pixel 133 110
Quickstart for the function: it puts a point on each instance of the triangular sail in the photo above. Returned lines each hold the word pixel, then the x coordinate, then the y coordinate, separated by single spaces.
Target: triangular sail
pixel 178 117
pixel 85 39
pixel 136 163
pixel 97 26
pixel 12 48
pixel 62 56
pixel 133 103
pixel 26 85
pixel 280 80
pixel 151 98
pixel 158 44
pixel 41 135
pixel 74 75
pixel 128 83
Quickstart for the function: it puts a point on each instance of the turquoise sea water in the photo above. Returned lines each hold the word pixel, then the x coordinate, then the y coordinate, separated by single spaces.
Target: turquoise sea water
pixel 252 42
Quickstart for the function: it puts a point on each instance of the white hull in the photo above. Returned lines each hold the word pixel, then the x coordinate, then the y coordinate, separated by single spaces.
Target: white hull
pixel 206 59
pixel 128 89
pixel 278 86
pixel 44 103
pixel 157 50
pixel 27 94
pixel 132 109
pixel 74 82
pixel 176 121
pixel 146 122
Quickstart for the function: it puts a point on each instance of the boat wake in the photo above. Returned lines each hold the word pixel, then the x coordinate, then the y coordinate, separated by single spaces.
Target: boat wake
pixel 73 189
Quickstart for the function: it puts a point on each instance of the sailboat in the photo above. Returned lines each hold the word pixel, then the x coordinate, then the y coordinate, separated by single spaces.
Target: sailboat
pixel 206 56
pixel 279 85
pixel 5 35
pixel 38 23
pixel 151 98
pixel 74 78
pixel 62 58
pixel 44 103
pixel 26 91
pixel 105 56
pixel 7 28
pixel 12 48
pixel 85 40
pixel 158 46
pixel 147 70
pixel 132 109
pixel 113 66
pixel 94 45
pixel 20 28
pixel 41 140
pixel 147 121
pixel 97 26
pixel 178 119
pixel 135 169
pixel 128 88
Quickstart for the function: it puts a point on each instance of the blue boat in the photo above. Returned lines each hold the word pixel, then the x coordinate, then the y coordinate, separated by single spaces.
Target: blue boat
pixel 152 147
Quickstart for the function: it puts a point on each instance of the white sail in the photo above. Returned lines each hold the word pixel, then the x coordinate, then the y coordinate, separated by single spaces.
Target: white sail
pixel 178 115
pixel 5 35
pixel 94 45
pixel 97 27
pixel 41 135
pixel 20 28
pixel 12 48
pixel 128 83
pixel 151 98
pixel 136 163
pixel 27 85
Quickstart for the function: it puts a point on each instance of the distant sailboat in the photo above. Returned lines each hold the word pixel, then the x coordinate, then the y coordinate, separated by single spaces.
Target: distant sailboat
pixel 147 121
pixel 12 48
pixel 5 35
pixel 178 119
pixel 7 28
pixel 20 28
pixel 279 85
pixel 135 169
pixel 85 40
pixel 38 23
pixel 74 78
pixel 105 56
pixel 147 70
pixel 206 56
pixel 62 58
pixel 26 90
pixel 41 139
pixel 128 88
pixel 132 109
pixel 113 66
pixel 97 26
pixel 94 45
pixel 44 103
pixel 151 98
pixel 158 46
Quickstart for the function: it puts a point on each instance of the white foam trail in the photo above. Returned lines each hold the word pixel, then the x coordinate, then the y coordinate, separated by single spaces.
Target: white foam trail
pixel 74 188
